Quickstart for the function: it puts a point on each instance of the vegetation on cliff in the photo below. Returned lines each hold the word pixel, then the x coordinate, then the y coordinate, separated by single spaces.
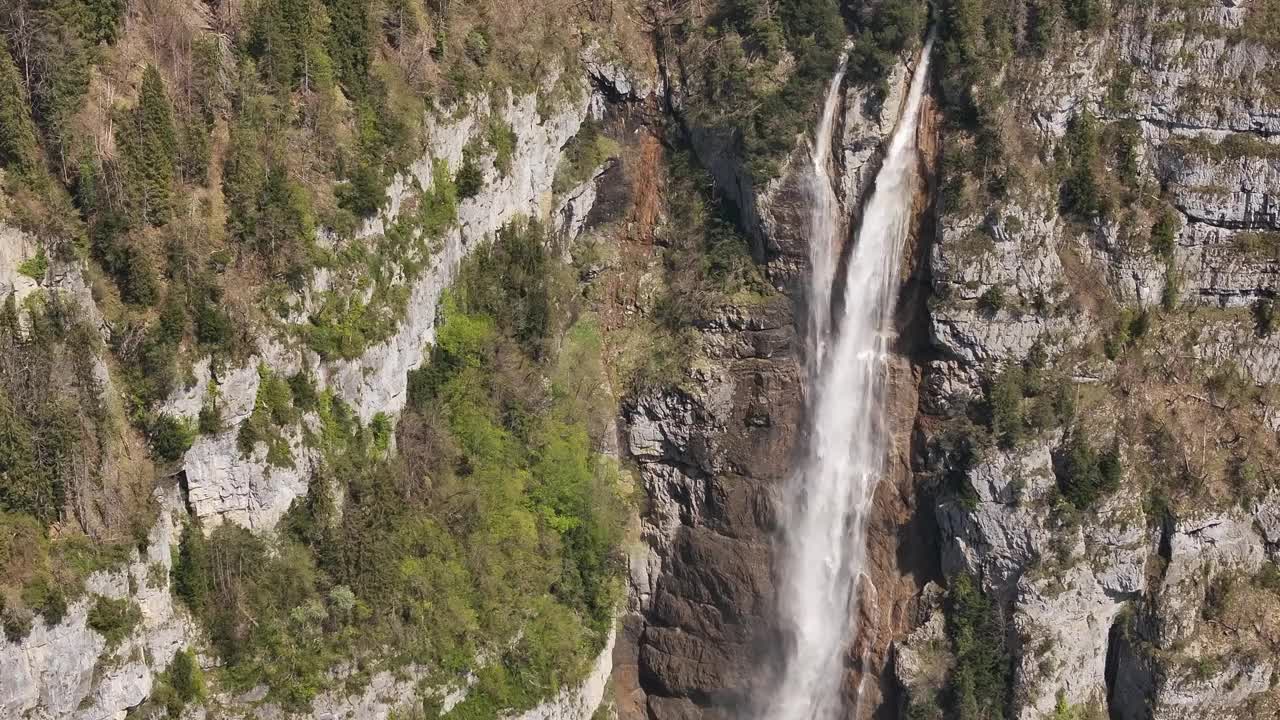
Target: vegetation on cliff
pixel 488 543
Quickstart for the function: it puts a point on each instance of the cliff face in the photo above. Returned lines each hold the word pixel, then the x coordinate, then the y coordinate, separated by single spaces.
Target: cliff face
pixel 1133 602
pixel 66 670
pixel 1151 317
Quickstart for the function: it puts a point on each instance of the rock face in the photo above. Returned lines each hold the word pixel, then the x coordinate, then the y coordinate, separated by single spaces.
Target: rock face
pixel 225 484
pixel 708 457
pixel 1151 603
pixel 67 671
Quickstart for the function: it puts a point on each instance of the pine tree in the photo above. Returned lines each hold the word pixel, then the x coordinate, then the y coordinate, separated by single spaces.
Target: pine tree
pixel 350 42
pixel 150 147
pixel 18 149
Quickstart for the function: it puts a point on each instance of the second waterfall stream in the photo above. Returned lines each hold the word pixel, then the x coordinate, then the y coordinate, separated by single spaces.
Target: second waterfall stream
pixel 828 502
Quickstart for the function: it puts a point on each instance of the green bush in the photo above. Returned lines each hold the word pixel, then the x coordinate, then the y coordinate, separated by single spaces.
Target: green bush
pixel 992 300
pixel 1084 474
pixel 470 177
pixel 191 580
pixel 1007 421
pixel 1164 233
pixel 209 421
pixel 502 139
pixel 364 191
pixel 114 619
pixel 170 436
pixel 17 623
pixel 1082 192
pixel 35 266
pixel 186 677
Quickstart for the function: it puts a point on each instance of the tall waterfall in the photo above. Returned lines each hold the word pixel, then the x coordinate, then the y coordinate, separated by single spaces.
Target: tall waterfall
pixel 828 502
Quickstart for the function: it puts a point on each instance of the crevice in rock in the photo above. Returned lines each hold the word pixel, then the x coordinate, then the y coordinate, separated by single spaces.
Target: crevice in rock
pixel 1110 671
pixel 184 492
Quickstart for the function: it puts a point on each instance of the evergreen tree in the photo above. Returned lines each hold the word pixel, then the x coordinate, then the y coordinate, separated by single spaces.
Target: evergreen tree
pixel 349 43
pixel 1081 192
pixel 980 680
pixel 149 144
pixel 288 38
pixel 18 149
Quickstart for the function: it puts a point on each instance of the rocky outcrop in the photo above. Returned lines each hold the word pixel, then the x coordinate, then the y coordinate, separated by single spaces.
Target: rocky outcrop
pixel 709 455
pixel 1130 608
pixel 67 670
pixel 223 483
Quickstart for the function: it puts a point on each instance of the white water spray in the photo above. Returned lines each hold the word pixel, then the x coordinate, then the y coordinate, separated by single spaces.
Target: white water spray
pixel 827 504
pixel 824 227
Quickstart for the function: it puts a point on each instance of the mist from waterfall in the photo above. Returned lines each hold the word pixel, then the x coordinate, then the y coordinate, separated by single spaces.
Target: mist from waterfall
pixel 827 504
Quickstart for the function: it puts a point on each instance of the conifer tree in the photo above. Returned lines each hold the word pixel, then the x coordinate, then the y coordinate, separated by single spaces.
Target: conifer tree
pixel 150 146
pixel 18 149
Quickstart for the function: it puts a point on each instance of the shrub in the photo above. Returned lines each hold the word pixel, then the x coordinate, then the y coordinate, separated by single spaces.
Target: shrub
pixel 992 301
pixel 1006 416
pixel 114 619
pixel 477 46
pixel 502 138
pixel 17 623
pixel 1268 577
pixel 186 677
pixel 470 178
pixel 1164 233
pixel 1084 474
pixel 210 420
pixel 170 436
pixel 363 192
pixel 35 266
pixel 1082 193
pixel 190 574
pixel 1085 14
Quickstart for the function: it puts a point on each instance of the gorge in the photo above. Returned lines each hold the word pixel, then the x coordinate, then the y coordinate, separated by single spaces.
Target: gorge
pixel 615 359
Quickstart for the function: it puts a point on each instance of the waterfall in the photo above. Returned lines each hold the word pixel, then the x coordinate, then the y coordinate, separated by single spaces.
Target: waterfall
pixel 824 226
pixel 828 502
